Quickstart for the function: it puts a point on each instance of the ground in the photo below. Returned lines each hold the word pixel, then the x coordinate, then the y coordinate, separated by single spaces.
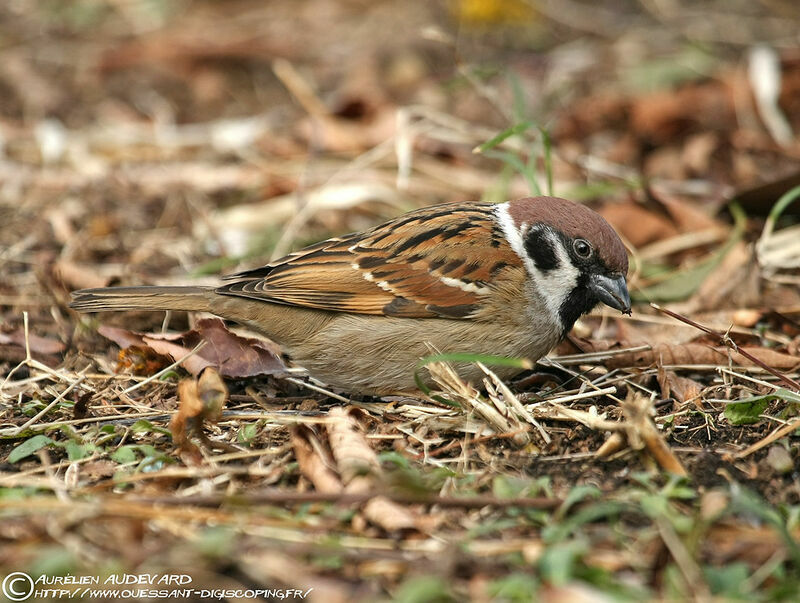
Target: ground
pixel 650 457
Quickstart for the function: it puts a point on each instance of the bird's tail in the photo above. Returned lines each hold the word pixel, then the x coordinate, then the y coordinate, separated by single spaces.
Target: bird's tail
pixel 112 299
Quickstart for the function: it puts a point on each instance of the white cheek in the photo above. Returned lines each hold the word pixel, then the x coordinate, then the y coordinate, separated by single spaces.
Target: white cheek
pixel 513 236
pixel 554 286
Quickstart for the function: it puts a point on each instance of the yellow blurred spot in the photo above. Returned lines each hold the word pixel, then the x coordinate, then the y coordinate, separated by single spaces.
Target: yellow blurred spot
pixel 492 11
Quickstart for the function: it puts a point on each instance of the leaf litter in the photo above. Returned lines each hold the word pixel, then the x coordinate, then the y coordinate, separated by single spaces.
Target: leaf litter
pixel 162 156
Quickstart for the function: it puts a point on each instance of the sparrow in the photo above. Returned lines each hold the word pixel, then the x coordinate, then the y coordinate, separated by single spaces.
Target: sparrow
pixel 359 311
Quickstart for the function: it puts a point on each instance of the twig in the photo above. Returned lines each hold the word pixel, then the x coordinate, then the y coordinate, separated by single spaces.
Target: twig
pixel 47 408
pixel 459 443
pixel 571 398
pixel 775 435
pixel 726 340
pixel 683 559
pixel 317 388
pixel 285 497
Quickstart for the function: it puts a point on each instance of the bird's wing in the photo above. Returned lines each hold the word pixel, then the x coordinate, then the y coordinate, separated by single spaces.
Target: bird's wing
pixel 437 261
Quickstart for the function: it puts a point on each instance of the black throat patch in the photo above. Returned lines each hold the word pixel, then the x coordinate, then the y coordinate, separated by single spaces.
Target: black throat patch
pixel 579 301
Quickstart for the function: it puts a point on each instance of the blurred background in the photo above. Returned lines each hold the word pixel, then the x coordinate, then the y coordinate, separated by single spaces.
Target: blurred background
pixel 144 140
pixel 167 142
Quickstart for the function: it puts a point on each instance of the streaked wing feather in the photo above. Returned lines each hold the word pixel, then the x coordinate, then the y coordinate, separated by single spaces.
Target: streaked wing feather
pixel 424 264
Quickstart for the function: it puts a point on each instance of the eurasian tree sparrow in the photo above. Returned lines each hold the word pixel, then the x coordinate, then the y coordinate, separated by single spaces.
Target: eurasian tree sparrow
pixel 359 311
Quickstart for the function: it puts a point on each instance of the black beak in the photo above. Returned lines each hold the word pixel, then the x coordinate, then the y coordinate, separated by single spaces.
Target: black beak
pixel 612 291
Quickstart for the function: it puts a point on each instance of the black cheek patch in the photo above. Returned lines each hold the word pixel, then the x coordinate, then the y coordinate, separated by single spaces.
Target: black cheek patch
pixel 539 248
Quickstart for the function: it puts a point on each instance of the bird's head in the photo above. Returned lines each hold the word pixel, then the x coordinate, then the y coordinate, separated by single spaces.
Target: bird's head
pixel 574 258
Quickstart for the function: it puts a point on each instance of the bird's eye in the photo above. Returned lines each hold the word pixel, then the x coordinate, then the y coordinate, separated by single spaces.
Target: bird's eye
pixel 582 248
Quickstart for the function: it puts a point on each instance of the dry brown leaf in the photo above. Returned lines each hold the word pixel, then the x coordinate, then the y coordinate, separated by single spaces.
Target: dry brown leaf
pixel 736 282
pixel 685 214
pixel 213 394
pixel 37 344
pixel 359 467
pixel 231 354
pixel 309 454
pixel 79 276
pixel 194 364
pixel 696 353
pixel 663 116
pixel 698 150
pixel 642 433
pixel 681 388
pixel 338 135
pixel 728 541
pixel 141 360
pixel 200 401
pixel 664 162
pixel 183 423
pixel 636 224
pixel 390 515
pixel 355 459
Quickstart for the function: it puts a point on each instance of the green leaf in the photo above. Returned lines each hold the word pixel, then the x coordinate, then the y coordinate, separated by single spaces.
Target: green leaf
pixel 76 451
pixel 29 447
pixel 679 284
pixel 519 106
pixel 780 206
pixel 124 455
pixel 745 412
pixel 392 456
pixel 247 433
pixel 424 589
pixel 528 172
pixel 520 363
pixel 578 494
pixel 507 486
pixel 728 581
pixel 145 426
pixel 557 564
pixel 514 587
pixel 505 134
pixel 600 510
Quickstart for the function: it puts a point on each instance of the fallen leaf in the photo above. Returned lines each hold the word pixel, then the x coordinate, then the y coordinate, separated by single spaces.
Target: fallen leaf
pixel 355 459
pixel 636 224
pixel 200 402
pixel 231 354
pixel 685 354
pixel 642 433
pixel 360 471
pixel 37 344
pixel 78 276
pixel 685 215
pixel 681 388
pixel 734 282
pixel 314 462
